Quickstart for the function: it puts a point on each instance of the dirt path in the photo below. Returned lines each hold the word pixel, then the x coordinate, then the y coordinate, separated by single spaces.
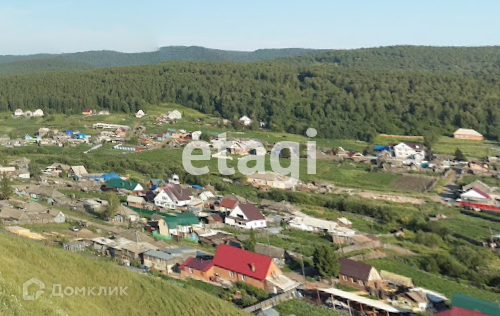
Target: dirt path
pixel 114 229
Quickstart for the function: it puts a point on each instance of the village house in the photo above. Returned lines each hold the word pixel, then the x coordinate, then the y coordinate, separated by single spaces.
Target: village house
pixel 160 261
pixel 125 214
pixel 270 180
pixel 135 201
pixel 173 196
pixel 226 205
pixel 246 215
pixel 312 224
pixel 119 184
pixel 38 113
pixel 360 275
pixel 104 112
pixel 87 112
pixel 469 134
pixel 476 196
pixel 245 120
pixel 121 132
pixel 140 114
pixel 164 200
pixel 237 265
pixel 77 172
pixel 172 115
pixel 197 268
pixel 408 150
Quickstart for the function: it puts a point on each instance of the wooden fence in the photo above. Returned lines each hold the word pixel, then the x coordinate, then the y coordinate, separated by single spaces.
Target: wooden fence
pixel 271 302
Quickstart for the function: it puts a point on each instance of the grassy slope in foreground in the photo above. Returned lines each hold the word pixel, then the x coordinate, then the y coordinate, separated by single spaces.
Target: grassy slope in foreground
pixel 21 260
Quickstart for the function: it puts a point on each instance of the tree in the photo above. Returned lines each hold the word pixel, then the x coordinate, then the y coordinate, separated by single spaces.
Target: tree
pixel 285 153
pixel 326 262
pixel 251 241
pixel 205 137
pixel 35 171
pixel 113 206
pixel 5 188
pixel 459 155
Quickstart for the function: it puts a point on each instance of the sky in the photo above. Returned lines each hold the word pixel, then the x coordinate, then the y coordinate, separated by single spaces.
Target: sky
pixel 53 26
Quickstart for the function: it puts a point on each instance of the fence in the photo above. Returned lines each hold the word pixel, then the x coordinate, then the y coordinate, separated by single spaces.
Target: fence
pixel 366 245
pixel 271 302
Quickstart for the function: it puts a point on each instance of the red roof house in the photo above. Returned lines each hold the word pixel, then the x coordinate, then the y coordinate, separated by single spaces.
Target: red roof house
pixel 238 265
pixel 227 205
pixel 197 269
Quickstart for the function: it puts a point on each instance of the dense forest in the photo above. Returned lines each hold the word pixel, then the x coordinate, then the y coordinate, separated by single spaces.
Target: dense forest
pixel 340 103
pixel 101 59
pixel 453 60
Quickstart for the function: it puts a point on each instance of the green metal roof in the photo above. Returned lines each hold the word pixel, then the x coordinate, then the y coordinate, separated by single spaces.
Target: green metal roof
pixel 121 184
pixel 181 219
pixel 475 304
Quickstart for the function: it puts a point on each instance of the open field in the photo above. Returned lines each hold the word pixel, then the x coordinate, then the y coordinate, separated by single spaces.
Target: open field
pixel 470 148
pixel 413 183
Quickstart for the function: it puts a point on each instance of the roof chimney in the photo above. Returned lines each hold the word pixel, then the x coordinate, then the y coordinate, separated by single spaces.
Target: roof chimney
pixel 252 267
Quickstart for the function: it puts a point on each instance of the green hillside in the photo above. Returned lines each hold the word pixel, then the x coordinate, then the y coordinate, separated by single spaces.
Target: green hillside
pixel 100 59
pixel 453 60
pixel 21 260
pixel 339 103
pixel 45 65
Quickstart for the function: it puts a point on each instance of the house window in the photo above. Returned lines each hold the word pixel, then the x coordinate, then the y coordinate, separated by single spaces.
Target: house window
pixel 190 270
pixel 361 283
pixel 243 278
pixel 353 280
pixel 345 278
pixel 231 274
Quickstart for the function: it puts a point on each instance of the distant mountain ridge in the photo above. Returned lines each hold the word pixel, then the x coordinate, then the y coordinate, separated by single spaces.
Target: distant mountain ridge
pixel 451 60
pixel 101 59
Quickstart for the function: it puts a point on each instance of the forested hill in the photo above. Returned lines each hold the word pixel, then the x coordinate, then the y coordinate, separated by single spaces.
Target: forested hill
pixel 100 59
pixel 44 65
pixel 340 103
pixel 453 60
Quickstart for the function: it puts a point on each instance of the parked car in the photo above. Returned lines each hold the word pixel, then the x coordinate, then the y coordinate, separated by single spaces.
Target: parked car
pixel 74 229
pixel 336 304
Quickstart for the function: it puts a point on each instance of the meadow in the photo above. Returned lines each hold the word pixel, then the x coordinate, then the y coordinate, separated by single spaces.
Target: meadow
pixel 21 260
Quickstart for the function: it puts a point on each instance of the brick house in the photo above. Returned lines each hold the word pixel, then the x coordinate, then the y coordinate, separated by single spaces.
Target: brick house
pixel 197 268
pixel 238 265
pixel 360 275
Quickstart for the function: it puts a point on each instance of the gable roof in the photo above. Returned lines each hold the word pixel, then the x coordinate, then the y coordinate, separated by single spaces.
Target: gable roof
pixel 79 170
pixel 396 279
pixel 475 193
pixel 181 219
pixel 240 261
pixel 159 255
pixel 355 269
pixel 227 203
pixel 197 264
pixel 251 212
pixel 475 304
pixel 121 184
pixel 135 199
